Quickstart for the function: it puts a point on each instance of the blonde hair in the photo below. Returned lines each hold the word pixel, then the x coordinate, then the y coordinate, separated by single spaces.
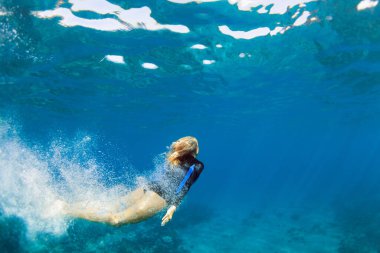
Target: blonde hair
pixel 185 146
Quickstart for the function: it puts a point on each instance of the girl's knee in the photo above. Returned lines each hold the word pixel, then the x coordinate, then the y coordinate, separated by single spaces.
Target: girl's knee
pixel 115 220
pixel 141 210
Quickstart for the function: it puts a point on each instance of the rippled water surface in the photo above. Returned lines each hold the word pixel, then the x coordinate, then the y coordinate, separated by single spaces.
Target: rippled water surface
pixel 283 96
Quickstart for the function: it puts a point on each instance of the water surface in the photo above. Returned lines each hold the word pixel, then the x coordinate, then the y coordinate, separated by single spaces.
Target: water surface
pixel 283 97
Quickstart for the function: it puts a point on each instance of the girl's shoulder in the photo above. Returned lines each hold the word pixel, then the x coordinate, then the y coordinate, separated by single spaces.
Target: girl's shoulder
pixel 198 165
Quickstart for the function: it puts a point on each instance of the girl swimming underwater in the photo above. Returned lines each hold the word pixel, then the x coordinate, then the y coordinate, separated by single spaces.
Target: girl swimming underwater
pixel 182 170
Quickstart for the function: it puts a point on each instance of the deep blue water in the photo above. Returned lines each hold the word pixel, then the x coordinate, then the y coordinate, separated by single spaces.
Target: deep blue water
pixel 288 122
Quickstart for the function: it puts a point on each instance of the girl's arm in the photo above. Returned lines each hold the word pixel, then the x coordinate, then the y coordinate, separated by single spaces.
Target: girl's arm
pixel 169 214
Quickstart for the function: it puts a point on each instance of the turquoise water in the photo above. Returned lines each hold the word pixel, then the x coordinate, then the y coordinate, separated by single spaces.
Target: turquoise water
pixel 283 97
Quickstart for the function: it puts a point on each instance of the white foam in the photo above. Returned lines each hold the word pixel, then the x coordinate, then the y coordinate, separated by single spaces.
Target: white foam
pixel 258 32
pixel 276 30
pixel 115 58
pixel 141 18
pixel 70 20
pixel 275 6
pixel 302 19
pixel 25 189
pixel 198 46
pixel 366 4
pixel 262 10
pixel 148 65
pixel 31 188
pixel 191 1
pixel 98 6
pixel 296 14
pixel 134 18
pixel 208 62
pixel 126 20
pixel 219 45
pixel 264 31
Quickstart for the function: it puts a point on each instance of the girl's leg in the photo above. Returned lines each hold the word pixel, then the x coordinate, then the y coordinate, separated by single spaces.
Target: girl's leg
pixel 97 211
pixel 143 209
pixel 128 200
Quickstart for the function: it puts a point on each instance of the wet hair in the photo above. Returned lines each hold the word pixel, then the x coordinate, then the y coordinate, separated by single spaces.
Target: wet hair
pixel 181 148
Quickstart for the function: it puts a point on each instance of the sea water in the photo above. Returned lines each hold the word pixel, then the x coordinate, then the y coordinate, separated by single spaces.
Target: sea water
pixel 283 97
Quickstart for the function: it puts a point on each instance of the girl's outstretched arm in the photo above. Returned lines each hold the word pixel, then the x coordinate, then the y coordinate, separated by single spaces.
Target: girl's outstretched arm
pixel 169 214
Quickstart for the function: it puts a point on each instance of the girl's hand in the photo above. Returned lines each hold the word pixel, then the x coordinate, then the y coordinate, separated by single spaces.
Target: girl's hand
pixel 168 216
